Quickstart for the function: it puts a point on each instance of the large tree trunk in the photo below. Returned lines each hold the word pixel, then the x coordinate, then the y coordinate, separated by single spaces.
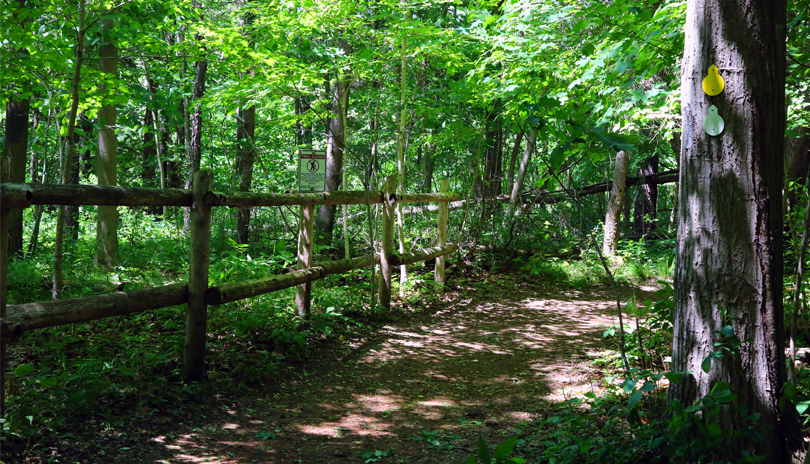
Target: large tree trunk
pixel 107 159
pixel 646 204
pixel 617 198
pixel 245 137
pixel 335 145
pixel 729 256
pixel 16 134
pixel 16 148
pixel 150 149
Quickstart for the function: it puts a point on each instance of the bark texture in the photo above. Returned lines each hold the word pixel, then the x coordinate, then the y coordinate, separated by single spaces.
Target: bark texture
pixel 245 136
pixel 729 256
pixel 616 203
pixel 16 136
pixel 646 204
pixel 107 159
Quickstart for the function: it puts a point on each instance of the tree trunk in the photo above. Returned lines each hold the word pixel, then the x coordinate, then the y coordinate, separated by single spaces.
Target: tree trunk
pixel 16 148
pixel 616 203
pixel 70 149
pixel 195 124
pixel 107 159
pixel 16 134
pixel 149 150
pixel 428 164
pixel 646 204
pixel 245 138
pixel 510 179
pixel 336 144
pixel 729 249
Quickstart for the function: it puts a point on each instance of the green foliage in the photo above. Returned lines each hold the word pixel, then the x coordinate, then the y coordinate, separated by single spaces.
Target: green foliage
pixel 631 424
pixel 499 456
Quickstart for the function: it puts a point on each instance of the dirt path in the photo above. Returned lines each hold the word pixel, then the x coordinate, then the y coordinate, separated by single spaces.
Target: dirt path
pixel 425 390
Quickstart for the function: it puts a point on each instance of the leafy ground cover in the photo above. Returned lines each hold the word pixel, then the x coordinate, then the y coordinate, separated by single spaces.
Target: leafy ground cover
pixel 489 358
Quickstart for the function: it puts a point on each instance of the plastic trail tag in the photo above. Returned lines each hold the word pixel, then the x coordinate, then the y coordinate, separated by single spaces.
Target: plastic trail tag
pixel 714 124
pixel 713 83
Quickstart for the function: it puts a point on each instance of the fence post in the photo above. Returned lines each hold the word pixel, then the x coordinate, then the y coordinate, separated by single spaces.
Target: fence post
pixel 387 240
pixel 444 187
pixel 303 292
pixel 200 252
pixel 5 171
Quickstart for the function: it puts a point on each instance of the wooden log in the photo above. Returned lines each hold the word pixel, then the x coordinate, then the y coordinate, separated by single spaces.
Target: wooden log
pixel 197 311
pixel 31 316
pixel 441 197
pixel 421 255
pixel 387 241
pixel 236 291
pixel 15 195
pixel 241 199
pixel 444 211
pixel 24 195
pixel 303 294
pixel 5 212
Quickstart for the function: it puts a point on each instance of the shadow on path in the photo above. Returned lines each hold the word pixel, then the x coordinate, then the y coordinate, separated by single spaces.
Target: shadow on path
pixel 423 390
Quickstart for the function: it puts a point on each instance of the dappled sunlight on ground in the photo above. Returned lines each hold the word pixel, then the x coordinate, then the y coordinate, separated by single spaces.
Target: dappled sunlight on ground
pixel 461 373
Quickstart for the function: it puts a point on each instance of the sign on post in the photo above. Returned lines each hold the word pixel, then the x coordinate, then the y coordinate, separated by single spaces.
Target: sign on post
pixel 311 170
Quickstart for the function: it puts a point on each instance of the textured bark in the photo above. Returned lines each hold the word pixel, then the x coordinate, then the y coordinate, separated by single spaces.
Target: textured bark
pixel 150 149
pixel 195 124
pixel 797 162
pixel 729 256
pixel 245 137
pixel 492 152
pixel 428 164
pixel 16 148
pixel 335 146
pixel 510 179
pixel 107 159
pixel 70 149
pixel 646 204
pixel 616 203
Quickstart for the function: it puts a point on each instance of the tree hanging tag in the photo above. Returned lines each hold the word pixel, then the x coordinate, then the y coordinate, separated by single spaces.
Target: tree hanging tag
pixel 713 83
pixel 714 124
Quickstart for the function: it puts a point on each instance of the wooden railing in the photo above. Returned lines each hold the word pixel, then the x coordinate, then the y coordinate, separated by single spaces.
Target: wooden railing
pixel 18 319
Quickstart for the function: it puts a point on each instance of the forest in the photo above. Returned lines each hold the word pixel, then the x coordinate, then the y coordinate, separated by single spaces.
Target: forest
pixel 411 231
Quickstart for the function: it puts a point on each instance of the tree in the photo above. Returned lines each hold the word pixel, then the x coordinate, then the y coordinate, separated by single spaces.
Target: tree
pixel 728 273
pixel 16 147
pixel 616 203
pixel 107 159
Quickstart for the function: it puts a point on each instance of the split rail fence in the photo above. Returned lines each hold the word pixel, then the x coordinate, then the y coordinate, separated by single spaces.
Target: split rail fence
pixel 196 294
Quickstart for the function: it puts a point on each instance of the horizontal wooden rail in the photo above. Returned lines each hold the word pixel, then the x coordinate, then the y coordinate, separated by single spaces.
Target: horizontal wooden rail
pixel 421 255
pixel 15 195
pixel 243 199
pixel 30 316
pixel 25 195
pixel 236 291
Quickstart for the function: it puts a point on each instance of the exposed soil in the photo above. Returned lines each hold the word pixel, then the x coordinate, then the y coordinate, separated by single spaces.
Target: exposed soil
pixel 491 359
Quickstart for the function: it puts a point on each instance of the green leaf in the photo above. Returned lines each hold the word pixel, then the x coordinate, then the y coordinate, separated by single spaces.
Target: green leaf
pixel 505 449
pixel 628 385
pixel 634 399
pixel 648 386
pixel 802 406
pixel 706 365
pixel 483 451
pixel 727 331
pixel 790 390
pixel 674 377
pixel 23 369
pixel 714 430
pixel 265 435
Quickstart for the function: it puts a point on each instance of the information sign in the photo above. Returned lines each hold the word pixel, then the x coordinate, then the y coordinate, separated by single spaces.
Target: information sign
pixel 311 170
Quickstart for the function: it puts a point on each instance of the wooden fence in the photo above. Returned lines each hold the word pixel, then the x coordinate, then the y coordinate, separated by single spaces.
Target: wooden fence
pixel 17 319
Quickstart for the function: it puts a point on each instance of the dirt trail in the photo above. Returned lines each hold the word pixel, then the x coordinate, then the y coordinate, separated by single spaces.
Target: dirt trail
pixel 423 389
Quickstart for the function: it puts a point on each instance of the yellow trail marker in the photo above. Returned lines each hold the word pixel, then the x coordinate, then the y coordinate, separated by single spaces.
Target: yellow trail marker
pixel 713 83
